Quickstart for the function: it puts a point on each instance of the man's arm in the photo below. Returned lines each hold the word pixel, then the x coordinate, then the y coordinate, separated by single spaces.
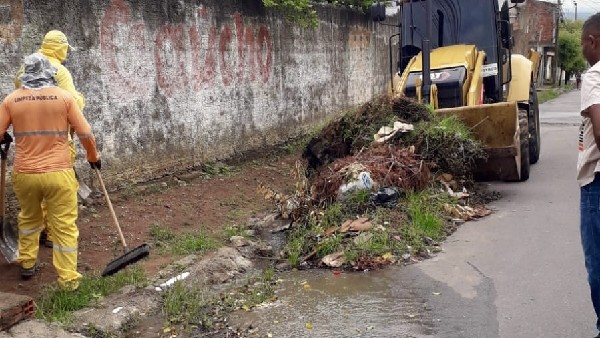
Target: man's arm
pixel 5 119
pixel 594 113
pixel 84 132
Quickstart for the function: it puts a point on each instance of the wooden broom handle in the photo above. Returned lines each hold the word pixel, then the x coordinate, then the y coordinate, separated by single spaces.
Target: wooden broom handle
pixel 112 211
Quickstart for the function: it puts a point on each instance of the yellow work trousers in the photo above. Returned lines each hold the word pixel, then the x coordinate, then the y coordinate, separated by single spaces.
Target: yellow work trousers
pixel 73 153
pixel 59 191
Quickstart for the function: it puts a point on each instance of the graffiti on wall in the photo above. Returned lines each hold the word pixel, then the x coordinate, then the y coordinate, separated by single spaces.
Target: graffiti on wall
pixel 11 20
pixel 182 57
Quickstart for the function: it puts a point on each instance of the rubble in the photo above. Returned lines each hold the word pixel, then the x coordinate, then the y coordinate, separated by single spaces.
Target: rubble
pixel 388 165
pixel 358 177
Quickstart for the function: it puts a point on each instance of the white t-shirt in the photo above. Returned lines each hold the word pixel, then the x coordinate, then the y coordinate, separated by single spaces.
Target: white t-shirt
pixel 588 162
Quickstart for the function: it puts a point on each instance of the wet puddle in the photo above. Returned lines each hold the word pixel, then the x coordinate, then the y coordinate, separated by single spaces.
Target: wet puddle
pixel 319 303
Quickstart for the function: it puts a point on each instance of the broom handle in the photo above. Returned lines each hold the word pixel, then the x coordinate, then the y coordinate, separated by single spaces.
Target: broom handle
pixel 112 211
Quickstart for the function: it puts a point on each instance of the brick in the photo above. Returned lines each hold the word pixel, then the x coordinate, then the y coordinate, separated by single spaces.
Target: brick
pixel 14 308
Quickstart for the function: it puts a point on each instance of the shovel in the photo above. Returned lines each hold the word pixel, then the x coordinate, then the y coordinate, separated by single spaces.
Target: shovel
pixel 128 257
pixel 84 191
pixel 8 243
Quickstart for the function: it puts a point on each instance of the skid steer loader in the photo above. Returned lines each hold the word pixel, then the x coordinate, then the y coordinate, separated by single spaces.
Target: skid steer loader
pixel 457 56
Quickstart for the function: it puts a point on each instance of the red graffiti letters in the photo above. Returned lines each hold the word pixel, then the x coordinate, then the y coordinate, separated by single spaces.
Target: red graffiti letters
pixel 182 57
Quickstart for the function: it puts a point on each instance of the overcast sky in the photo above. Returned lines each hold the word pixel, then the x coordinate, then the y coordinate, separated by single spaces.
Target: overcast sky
pixel 582 5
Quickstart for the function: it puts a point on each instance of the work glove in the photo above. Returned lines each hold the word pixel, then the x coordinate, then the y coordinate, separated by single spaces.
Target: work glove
pixel 96 165
pixel 6 139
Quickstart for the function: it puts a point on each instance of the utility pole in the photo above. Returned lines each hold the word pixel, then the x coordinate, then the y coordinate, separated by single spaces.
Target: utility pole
pixel 557 71
pixel 575 3
pixel 426 55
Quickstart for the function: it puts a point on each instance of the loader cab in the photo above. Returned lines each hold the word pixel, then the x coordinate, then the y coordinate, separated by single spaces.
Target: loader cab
pixel 460 22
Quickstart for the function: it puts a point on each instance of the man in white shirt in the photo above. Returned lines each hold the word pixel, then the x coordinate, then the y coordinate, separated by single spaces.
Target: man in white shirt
pixel 588 163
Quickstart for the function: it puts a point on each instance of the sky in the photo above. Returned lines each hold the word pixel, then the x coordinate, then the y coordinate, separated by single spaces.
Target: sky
pixel 584 7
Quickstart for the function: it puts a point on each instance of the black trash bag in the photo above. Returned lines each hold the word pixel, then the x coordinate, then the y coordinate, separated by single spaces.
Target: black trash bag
pixel 387 197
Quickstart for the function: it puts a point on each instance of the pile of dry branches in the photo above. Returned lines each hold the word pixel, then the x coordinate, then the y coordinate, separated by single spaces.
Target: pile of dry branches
pixel 388 165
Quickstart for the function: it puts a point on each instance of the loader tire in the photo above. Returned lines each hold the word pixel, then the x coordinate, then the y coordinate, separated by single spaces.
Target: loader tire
pixel 525 144
pixel 534 127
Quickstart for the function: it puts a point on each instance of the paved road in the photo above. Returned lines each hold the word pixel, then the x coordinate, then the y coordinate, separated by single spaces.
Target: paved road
pixel 516 274
pixel 527 257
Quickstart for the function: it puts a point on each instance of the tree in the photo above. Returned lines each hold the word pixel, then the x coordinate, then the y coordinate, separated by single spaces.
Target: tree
pixel 569 48
pixel 303 12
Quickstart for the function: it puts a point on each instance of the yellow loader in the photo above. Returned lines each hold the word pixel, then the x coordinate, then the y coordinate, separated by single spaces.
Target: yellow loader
pixel 457 56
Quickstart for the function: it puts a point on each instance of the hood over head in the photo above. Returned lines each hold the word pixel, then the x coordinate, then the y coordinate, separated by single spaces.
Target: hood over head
pixel 56 45
pixel 37 72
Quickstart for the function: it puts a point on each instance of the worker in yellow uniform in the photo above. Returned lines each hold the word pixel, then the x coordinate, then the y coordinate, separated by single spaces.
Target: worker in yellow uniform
pixel 40 113
pixel 55 47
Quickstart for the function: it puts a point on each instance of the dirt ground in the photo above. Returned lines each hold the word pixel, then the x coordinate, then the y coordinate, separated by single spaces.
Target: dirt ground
pixel 207 203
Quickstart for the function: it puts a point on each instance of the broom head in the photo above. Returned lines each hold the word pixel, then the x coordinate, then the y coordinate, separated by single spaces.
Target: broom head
pixel 128 258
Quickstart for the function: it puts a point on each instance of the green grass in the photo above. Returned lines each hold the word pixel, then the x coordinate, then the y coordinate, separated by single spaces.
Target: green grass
pixel 184 304
pixel 182 244
pixel 188 306
pixel 329 245
pixel 425 211
pixel 332 216
pixel 547 95
pixel 219 169
pixel 234 230
pixel 58 305
pixel 295 246
pixel 440 126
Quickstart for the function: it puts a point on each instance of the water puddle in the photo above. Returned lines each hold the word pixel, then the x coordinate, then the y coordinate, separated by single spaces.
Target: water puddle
pixel 323 304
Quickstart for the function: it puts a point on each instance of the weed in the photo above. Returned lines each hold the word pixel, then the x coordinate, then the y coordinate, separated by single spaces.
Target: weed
pixel 425 211
pixel 295 246
pixel 379 244
pixel 234 230
pixel 262 292
pixel 184 304
pixel 182 244
pixel 329 245
pixel 155 188
pixel 442 126
pixel 161 234
pixel 332 215
pixel 234 214
pixel 57 304
pixel 351 254
pixel 447 142
pixel 130 191
pixel 298 144
pixel 193 243
pixel 218 169
pixel 357 201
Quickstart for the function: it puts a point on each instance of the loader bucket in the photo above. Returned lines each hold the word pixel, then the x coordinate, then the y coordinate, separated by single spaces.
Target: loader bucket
pixel 496 126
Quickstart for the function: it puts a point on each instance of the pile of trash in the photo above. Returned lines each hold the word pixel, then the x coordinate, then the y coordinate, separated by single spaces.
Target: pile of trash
pixel 377 167
pixel 354 131
pixel 404 165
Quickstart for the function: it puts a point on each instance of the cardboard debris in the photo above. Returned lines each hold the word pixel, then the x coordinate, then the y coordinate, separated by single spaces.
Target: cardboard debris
pixel 334 260
pixel 385 133
pixel 467 213
pixel 330 231
pixel 361 224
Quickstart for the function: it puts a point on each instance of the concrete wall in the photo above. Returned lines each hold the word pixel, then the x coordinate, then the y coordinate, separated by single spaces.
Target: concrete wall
pixel 170 84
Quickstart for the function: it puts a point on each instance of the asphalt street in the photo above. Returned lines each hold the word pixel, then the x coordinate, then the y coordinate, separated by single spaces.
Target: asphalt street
pixel 527 257
pixel 518 273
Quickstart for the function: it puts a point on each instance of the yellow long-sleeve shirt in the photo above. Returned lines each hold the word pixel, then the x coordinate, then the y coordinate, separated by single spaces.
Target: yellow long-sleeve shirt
pixel 40 120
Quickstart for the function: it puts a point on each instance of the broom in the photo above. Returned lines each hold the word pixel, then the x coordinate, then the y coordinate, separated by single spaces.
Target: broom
pixel 129 257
